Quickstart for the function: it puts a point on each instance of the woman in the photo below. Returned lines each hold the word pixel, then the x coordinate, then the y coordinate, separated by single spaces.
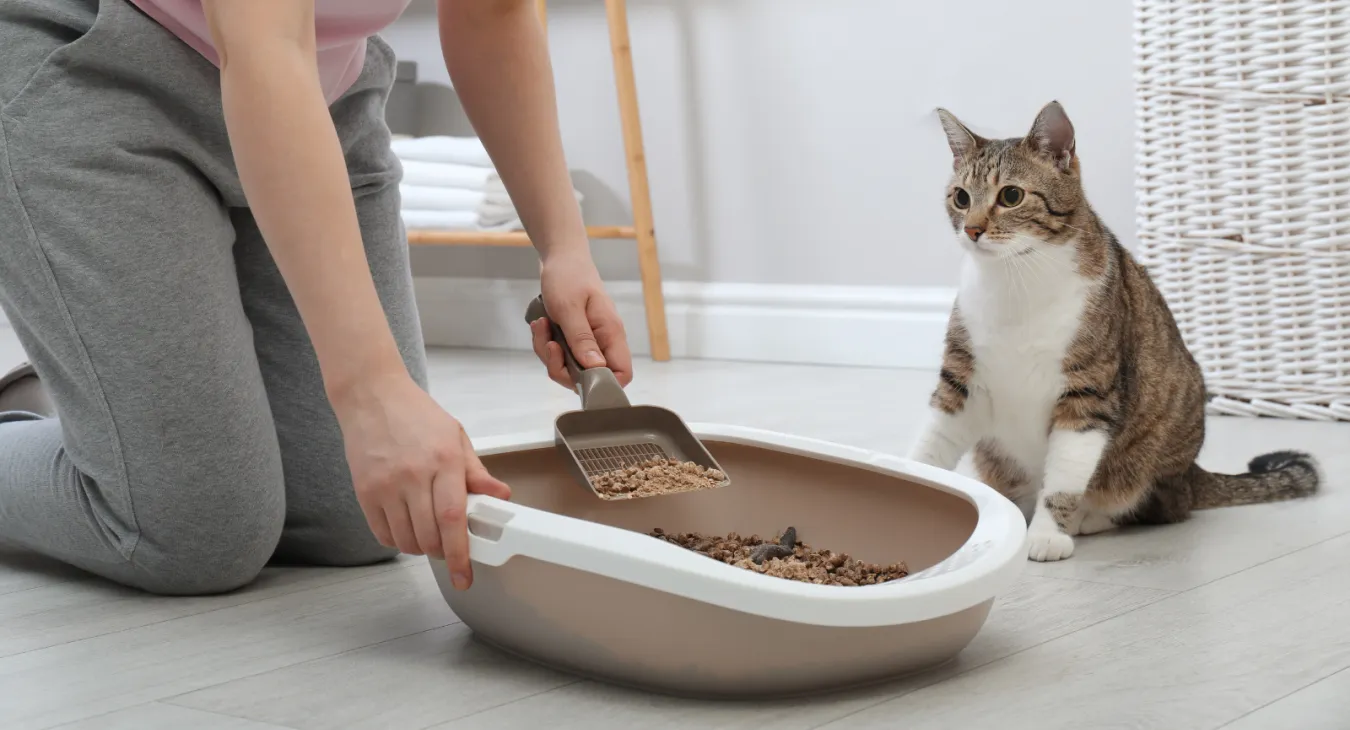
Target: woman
pixel 202 255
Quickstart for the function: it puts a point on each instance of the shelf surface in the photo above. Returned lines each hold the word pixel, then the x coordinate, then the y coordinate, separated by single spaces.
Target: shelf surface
pixel 420 237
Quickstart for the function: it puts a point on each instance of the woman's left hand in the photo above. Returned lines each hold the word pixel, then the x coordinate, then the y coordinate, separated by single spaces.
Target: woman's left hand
pixel 575 297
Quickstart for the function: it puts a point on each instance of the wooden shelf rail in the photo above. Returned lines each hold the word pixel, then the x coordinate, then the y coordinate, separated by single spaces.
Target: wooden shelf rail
pixel 502 238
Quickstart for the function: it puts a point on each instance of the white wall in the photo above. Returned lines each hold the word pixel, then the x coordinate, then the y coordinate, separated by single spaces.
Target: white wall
pixel 794 141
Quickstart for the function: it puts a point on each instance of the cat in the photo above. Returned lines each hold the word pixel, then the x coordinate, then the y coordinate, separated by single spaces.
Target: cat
pixel 1063 367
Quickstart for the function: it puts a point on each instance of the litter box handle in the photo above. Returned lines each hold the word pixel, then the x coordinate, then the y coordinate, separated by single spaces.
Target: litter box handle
pixel 499 531
pixel 597 387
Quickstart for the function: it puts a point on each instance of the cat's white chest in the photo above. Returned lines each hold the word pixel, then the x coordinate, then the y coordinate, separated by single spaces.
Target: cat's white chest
pixel 1020 332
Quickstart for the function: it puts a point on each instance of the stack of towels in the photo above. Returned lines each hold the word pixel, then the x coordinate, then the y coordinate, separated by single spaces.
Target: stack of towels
pixel 449 184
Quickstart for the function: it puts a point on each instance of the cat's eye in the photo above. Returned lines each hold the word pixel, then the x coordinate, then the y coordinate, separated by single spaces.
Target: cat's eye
pixel 1010 196
pixel 961 199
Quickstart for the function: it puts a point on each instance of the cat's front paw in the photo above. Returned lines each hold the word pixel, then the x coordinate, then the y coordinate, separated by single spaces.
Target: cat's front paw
pixel 1049 545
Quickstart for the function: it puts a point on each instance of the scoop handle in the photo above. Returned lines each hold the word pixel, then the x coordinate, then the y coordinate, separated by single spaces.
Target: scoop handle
pixel 597 387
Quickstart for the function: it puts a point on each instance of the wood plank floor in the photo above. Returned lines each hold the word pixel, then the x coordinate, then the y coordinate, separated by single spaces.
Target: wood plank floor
pixel 1239 619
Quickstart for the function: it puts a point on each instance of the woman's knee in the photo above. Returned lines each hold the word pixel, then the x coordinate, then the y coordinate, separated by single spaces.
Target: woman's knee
pixel 197 572
pixel 203 534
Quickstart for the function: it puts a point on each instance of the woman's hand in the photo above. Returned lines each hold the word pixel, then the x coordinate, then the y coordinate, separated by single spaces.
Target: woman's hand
pixel 575 297
pixel 413 467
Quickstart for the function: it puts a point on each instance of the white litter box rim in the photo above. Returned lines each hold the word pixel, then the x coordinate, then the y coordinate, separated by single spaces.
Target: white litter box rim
pixel 987 563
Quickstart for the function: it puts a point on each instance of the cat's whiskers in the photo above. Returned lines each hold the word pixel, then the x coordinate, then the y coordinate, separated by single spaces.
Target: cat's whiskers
pixel 1042 261
pixel 1033 265
pixel 1030 254
pixel 1072 227
pixel 1021 279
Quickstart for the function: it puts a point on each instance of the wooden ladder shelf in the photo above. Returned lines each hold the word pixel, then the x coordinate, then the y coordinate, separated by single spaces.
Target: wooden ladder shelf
pixel 642 231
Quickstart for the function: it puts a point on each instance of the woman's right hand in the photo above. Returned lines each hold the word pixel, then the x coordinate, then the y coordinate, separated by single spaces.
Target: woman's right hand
pixel 412 467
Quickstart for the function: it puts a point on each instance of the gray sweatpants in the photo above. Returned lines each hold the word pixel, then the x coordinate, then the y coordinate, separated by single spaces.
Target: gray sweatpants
pixel 194 441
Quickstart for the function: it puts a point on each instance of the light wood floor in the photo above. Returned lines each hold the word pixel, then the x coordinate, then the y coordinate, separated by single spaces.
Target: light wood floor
pixel 1239 619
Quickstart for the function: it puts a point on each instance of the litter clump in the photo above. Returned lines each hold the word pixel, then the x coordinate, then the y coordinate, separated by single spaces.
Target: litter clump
pixel 786 547
pixel 655 477
pixel 786 557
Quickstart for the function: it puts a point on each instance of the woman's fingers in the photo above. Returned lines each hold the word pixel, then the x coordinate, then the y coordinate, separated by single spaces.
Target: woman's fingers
pixel 557 368
pixel 575 324
pixel 539 338
pixel 423 514
pixel 549 352
pixel 448 498
pixel 477 479
pixel 379 524
pixel 610 335
pixel 400 524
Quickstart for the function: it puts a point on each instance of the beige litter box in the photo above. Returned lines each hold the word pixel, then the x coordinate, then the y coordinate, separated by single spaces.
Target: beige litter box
pixel 575 582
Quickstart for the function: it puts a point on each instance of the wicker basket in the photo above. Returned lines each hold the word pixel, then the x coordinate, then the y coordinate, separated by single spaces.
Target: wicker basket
pixel 1244 194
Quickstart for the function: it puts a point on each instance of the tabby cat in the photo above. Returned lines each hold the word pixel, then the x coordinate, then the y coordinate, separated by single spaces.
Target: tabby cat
pixel 1063 367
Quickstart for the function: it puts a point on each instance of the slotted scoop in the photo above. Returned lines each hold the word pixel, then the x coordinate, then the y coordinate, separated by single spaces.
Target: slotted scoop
pixel 610 434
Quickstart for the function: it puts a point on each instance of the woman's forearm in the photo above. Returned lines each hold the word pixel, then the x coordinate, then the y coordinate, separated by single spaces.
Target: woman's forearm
pixel 497 56
pixel 295 179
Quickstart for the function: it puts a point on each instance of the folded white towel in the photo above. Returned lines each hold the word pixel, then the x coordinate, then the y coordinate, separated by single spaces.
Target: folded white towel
pixel 490 214
pixel 459 150
pixel 441 220
pixel 426 197
pixel 454 220
pixel 441 191
pixel 444 175
pixel 497 208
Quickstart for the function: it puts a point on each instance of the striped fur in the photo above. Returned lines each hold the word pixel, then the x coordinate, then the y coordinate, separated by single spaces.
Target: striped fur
pixel 1063 367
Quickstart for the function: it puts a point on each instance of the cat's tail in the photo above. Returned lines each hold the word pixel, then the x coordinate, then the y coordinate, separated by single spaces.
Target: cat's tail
pixel 1272 477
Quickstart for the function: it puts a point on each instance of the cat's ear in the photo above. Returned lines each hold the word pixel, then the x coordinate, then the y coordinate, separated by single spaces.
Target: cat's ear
pixel 1052 136
pixel 963 142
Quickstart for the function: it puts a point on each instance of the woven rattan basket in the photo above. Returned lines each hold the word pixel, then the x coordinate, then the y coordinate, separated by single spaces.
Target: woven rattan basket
pixel 1244 194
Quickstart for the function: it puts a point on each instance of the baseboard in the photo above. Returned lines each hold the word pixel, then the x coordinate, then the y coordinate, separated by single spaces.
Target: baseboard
pixel 899 327
pixel 896 327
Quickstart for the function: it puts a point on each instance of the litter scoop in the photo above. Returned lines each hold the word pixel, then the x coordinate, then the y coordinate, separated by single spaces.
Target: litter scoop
pixel 609 436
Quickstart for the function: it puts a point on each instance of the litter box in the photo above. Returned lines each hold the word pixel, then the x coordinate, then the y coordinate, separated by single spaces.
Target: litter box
pixel 574 582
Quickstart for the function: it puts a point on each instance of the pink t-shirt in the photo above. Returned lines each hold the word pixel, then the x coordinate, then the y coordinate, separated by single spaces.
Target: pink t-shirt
pixel 341 28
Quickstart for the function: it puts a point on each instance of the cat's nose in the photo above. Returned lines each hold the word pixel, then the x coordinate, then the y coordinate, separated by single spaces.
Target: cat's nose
pixel 974 232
